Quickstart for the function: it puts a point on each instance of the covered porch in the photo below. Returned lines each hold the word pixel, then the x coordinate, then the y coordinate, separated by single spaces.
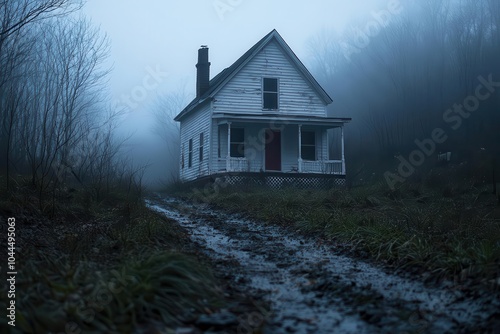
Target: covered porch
pixel 278 144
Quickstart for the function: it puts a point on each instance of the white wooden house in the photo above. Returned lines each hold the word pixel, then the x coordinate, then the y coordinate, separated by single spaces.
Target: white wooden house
pixel 265 116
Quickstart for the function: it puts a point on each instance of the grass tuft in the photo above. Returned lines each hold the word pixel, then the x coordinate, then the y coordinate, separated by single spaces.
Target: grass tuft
pixel 413 227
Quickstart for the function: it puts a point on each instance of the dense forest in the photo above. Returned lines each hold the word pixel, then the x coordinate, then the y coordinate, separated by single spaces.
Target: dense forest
pixel 401 75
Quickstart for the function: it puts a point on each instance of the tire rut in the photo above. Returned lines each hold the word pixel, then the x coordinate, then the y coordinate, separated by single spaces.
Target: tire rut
pixel 311 289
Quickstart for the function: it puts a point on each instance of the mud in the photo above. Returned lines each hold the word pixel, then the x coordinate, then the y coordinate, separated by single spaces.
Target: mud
pixel 313 288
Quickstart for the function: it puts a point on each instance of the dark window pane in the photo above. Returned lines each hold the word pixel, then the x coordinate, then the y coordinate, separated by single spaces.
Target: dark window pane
pixel 238 142
pixel 241 149
pixel 201 146
pixel 308 147
pixel 270 85
pixel 219 143
pixel 308 138
pixel 237 150
pixel 190 153
pixel 237 135
pixel 270 101
pixel 270 93
pixel 308 153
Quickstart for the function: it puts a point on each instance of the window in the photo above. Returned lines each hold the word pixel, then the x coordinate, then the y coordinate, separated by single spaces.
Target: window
pixel 190 153
pixel 308 146
pixel 182 157
pixel 237 142
pixel 201 146
pixel 218 142
pixel 270 93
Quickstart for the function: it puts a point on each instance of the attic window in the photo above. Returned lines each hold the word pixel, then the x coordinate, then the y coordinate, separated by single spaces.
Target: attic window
pixel 270 93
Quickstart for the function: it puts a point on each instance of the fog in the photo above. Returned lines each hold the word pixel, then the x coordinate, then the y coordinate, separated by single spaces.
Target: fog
pixel 399 232
pixel 413 76
pixel 424 84
pixel 164 38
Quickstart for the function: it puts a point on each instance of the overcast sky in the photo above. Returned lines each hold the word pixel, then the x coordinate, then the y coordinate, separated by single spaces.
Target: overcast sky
pixel 163 36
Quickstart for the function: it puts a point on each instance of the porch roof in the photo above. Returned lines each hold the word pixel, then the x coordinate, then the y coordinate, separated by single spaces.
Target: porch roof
pixel 281 119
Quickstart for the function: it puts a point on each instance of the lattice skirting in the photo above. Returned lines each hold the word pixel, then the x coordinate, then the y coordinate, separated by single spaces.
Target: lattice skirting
pixel 283 181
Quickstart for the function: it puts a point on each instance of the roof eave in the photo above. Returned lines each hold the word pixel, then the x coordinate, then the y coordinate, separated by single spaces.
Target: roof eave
pixel 303 69
pixel 192 107
pixel 278 117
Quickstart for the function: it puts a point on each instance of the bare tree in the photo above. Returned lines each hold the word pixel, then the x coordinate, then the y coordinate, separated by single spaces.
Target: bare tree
pixel 422 62
pixel 64 95
pixel 16 14
pixel 327 54
pixel 18 19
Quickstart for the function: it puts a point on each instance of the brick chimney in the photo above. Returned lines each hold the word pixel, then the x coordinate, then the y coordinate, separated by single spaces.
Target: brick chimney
pixel 202 71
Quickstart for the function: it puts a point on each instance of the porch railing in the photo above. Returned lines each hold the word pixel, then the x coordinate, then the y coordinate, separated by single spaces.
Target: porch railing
pixel 335 167
pixel 237 165
pixel 322 167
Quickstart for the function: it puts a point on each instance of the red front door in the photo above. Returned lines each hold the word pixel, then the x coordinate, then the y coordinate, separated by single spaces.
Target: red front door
pixel 273 150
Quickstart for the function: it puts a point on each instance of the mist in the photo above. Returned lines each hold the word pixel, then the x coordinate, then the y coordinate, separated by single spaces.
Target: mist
pixel 395 68
pixel 400 69
pixel 428 69
pixel 108 226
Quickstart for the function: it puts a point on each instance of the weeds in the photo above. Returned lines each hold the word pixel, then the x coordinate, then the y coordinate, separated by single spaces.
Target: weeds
pixel 163 286
pixel 110 267
pixel 414 227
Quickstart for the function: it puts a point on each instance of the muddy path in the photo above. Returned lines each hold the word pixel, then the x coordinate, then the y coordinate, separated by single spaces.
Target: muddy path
pixel 312 288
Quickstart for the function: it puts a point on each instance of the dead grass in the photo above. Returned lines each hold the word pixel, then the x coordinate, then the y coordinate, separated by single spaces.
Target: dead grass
pixel 109 268
pixel 451 233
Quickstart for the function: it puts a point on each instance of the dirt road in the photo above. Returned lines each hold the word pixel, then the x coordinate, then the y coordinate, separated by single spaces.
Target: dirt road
pixel 313 288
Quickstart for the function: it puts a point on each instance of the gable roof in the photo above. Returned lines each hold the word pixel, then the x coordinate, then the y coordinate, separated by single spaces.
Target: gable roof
pixel 228 73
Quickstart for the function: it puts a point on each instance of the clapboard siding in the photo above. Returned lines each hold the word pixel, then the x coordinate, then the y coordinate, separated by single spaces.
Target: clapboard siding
pixel 237 92
pixel 219 137
pixel 255 145
pixel 191 127
pixel 244 92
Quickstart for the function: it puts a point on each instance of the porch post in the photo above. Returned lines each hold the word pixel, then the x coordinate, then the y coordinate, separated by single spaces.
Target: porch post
pixel 327 145
pixel 300 148
pixel 343 157
pixel 228 158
